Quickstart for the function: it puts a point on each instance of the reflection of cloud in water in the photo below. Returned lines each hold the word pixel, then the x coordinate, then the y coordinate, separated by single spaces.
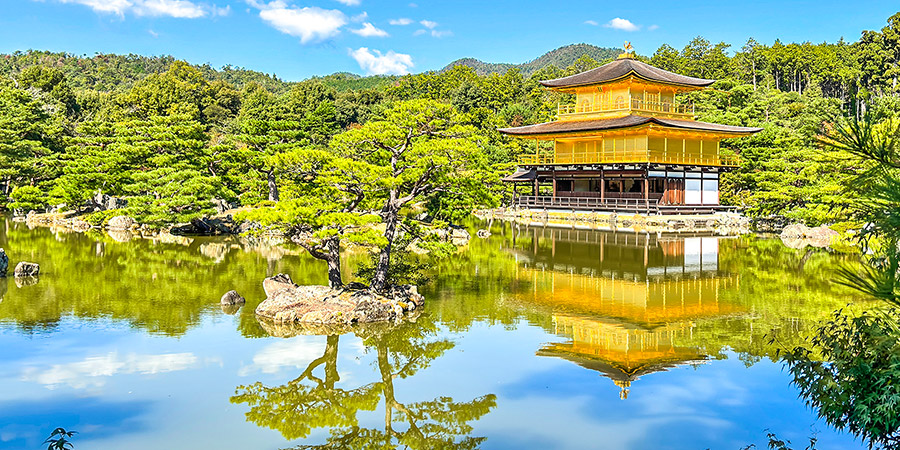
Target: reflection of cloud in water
pixel 299 351
pixel 296 352
pixel 692 395
pixel 92 370
pixel 520 427
pixel 25 424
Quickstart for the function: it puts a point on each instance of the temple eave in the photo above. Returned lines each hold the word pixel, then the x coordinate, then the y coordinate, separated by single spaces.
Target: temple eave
pixel 559 129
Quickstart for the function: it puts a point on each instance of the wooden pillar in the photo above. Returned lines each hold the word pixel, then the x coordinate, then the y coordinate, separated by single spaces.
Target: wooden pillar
pixel 666 187
pixel 602 186
pixel 554 183
pixel 535 185
pixel 647 189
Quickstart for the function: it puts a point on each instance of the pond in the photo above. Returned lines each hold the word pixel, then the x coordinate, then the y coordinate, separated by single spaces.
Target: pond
pixel 530 338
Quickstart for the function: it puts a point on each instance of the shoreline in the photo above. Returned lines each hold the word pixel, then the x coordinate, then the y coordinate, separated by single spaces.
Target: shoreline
pixel 725 224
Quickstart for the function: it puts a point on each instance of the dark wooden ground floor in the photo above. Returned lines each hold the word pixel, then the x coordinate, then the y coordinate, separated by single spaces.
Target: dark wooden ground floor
pixel 646 189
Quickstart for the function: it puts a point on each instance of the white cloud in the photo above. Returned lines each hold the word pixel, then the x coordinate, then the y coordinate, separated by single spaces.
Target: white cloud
pixel 591 22
pixel 653 27
pixel 294 353
pixel 104 6
pixel 429 24
pixel 174 8
pixel 369 30
pixel 440 34
pixel 419 32
pixel 153 33
pixel 183 9
pixel 376 63
pixel 310 24
pixel 401 21
pixel 360 17
pixel 622 24
pixel 350 2
pixel 92 371
pixel 221 12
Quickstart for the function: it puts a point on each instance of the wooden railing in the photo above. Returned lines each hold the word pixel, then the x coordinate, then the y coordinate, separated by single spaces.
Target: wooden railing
pixel 634 157
pixel 643 206
pixel 635 104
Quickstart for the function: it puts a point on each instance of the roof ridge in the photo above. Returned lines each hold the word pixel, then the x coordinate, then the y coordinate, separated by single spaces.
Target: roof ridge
pixel 620 68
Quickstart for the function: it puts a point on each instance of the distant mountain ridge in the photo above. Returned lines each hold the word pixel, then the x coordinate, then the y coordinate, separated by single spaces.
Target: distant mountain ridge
pixel 561 57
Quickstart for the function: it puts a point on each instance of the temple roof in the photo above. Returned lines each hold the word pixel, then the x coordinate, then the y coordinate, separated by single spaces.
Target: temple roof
pixel 621 68
pixel 521 175
pixel 572 126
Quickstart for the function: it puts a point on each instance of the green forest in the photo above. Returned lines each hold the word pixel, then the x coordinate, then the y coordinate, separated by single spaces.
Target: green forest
pixel 174 140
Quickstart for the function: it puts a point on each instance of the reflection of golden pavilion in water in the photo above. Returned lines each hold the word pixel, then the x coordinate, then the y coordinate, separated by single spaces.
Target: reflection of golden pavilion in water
pixel 624 300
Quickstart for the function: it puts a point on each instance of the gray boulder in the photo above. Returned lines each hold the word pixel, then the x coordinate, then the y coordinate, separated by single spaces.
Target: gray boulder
pixel 4 263
pixel 232 298
pixel 27 269
pixel 795 230
pixel 120 223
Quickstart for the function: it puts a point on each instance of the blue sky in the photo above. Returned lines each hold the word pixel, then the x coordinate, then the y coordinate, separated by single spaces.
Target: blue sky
pixel 296 39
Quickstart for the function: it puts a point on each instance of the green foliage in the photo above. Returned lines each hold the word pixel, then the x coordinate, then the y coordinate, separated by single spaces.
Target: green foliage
pixel 419 151
pixel 59 439
pixel 872 144
pixel 26 198
pixel 849 371
pixel 100 218
pixel 405 267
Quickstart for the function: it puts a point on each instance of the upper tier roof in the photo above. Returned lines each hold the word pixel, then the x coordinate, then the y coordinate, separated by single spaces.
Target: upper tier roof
pixel 621 68
pixel 571 126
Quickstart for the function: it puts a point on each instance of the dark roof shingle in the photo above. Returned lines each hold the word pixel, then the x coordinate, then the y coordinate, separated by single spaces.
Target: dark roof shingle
pixel 622 67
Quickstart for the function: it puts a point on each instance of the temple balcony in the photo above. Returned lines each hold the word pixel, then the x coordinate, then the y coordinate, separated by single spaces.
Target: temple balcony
pixel 622 107
pixel 629 157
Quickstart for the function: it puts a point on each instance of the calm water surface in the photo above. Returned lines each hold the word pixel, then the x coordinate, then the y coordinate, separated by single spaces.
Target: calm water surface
pixel 532 338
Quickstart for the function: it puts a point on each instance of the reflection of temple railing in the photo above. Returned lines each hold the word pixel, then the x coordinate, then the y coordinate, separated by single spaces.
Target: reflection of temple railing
pixel 639 256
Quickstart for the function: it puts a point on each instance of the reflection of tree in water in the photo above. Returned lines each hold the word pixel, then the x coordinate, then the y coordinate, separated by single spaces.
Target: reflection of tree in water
pixel 308 401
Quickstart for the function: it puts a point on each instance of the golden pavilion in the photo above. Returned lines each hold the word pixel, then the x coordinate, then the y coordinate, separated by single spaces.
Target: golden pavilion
pixel 626 144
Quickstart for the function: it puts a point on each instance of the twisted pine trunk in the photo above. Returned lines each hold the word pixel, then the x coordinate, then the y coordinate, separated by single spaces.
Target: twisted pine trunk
pixel 333 247
pixel 379 281
pixel 273 186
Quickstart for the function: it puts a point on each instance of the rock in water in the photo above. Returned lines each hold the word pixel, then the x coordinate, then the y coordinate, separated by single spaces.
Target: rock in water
pixel 795 230
pixel 4 262
pixel 27 269
pixel 799 236
pixel 288 302
pixel 120 223
pixel 232 298
pixel 277 283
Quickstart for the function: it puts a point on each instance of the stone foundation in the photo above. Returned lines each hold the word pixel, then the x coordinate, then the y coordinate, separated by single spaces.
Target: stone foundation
pixel 719 223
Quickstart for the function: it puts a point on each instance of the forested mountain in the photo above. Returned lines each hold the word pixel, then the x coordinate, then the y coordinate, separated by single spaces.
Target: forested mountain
pixel 562 57
pixel 109 72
